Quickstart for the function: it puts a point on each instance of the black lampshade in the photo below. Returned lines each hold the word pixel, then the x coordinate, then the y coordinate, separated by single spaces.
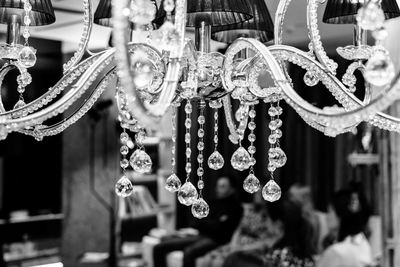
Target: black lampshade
pixel 345 11
pixel 42 11
pixel 214 12
pixel 103 14
pixel 259 27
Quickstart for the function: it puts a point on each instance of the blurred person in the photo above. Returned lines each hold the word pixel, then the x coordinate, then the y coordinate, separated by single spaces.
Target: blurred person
pixel 348 218
pixel 214 230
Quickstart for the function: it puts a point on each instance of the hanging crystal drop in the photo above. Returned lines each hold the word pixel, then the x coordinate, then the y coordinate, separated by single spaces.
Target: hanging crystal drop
pixel 242 112
pixel 187 194
pixel 20 103
pixel 200 209
pixel 277 157
pixel 271 191
pixel 251 184
pixel 124 187
pixel 310 79
pixel 27 57
pixel 216 161
pixel 379 69
pixel 141 161
pixel 173 183
pixel 240 159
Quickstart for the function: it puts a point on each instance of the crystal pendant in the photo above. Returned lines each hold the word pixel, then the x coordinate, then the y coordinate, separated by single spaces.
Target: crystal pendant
pixel 251 184
pixel 215 161
pixel 27 57
pixel 240 159
pixel 140 161
pixel 271 191
pixel 310 79
pixel 19 104
pixel 379 69
pixel 124 187
pixel 187 194
pixel 200 209
pixel 370 16
pixel 277 157
pixel 167 36
pixel 241 113
pixel 173 183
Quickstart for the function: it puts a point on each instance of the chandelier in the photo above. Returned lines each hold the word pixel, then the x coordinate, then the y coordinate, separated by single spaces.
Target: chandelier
pixel 168 70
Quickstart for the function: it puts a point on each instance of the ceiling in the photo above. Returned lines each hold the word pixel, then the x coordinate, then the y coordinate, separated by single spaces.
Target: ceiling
pixel 68 26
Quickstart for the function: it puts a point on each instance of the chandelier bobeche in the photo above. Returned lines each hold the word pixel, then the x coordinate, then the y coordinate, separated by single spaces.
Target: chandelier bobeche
pixel 168 70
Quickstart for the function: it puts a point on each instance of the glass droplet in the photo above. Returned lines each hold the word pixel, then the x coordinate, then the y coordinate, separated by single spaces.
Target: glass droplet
pixel 200 184
pixel 124 137
pixel 124 150
pixel 201 119
pixel 188 123
pixel 252 149
pixel 252 125
pixel 379 69
pixel 124 163
pixel 271 191
pixel 200 133
pixel 200 171
pixel 252 113
pixel 277 156
pixel 200 209
pixel 271 166
pixel 187 194
pixel 27 57
pixel 272 112
pixel 252 137
pixel 216 161
pixel 310 79
pixel 141 161
pixel 251 184
pixel 240 159
pixel 173 184
pixel 124 187
pixel 200 146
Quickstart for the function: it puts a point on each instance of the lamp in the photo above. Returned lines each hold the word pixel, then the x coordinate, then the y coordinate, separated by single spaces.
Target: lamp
pixel 345 11
pixel 259 27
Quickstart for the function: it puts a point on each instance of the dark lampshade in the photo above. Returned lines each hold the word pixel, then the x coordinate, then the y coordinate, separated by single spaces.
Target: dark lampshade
pixel 42 11
pixel 259 27
pixel 214 12
pixel 103 14
pixel 345 11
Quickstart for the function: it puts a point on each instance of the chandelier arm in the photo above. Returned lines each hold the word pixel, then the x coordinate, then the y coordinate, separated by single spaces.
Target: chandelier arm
pixel 147 114
pixel 66 100
pixel 312 25
pixel 50 130
pixel 3 72
pixel 53 92
pixel 84 41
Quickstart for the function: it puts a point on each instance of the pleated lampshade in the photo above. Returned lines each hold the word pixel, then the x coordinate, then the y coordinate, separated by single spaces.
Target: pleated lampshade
pixel 259 27
pixel 42 11
pixel 103 14
pixel 345 11
pixel 214 12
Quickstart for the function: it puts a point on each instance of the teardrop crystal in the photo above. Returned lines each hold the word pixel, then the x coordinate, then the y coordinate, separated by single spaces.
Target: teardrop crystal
pixel 277 157
pixel 379 69
pixel 140 161
pixel 251 184
pixel 271 191
pixel 20 103
pixel 172 184
pixel 240 159
pixel 187 194
pixel 216 161
pixel 200 209
pixel 124 187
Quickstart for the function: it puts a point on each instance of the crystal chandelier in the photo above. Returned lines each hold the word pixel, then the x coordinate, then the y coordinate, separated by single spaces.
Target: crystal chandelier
pixel 168 70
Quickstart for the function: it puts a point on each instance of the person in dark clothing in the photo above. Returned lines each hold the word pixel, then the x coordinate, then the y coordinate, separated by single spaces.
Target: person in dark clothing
pixel 215 230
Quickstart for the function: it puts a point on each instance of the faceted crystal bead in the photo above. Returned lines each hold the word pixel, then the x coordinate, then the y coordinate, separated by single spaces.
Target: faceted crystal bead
pixel 200 171
pixel 200 209
pixel 215 104
pixel 124 163
pixel 271 191
pixel 200 158
pixel 280 110
pixel 216 161
pixel 252 125
pixel 200 133
pixel 240 159
pixel 27 57
pixel 200 184
pixel 188 123
pixel 310 79
pixel 188 108
pixel 201 119
pixel 172 184
pixel 188 167
pixel 187 194
pixel 169 5
pixel 124 137
pixel 379 70
pixel 142 12
pixel 277 133
pixel 124 187
pixel 200 146
pixel 140 137
pixel 271 166
pixel 187 138
pixel 124 150
pixel 272 112
pixel 370 16
pixel 241 113
pixel 252 149
pixel 252 113
pixel 141 161
pixel 252 137
pixel 277 157
pixel 252 161
pixel 251 184
pixel 272 139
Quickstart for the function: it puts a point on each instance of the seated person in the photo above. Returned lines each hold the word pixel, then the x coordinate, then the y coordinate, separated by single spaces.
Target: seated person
pixel 215 230
pixel 257 230
pixel 348 218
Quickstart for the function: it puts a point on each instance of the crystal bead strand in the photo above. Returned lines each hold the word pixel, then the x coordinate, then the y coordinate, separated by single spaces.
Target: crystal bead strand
pixel 187 194
pixel 173 182
pixel 240 159
pixel 140 160
pixel 124 187
pixel 277 158
pixel 251 184
pixel 200 208
pixel 216 161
